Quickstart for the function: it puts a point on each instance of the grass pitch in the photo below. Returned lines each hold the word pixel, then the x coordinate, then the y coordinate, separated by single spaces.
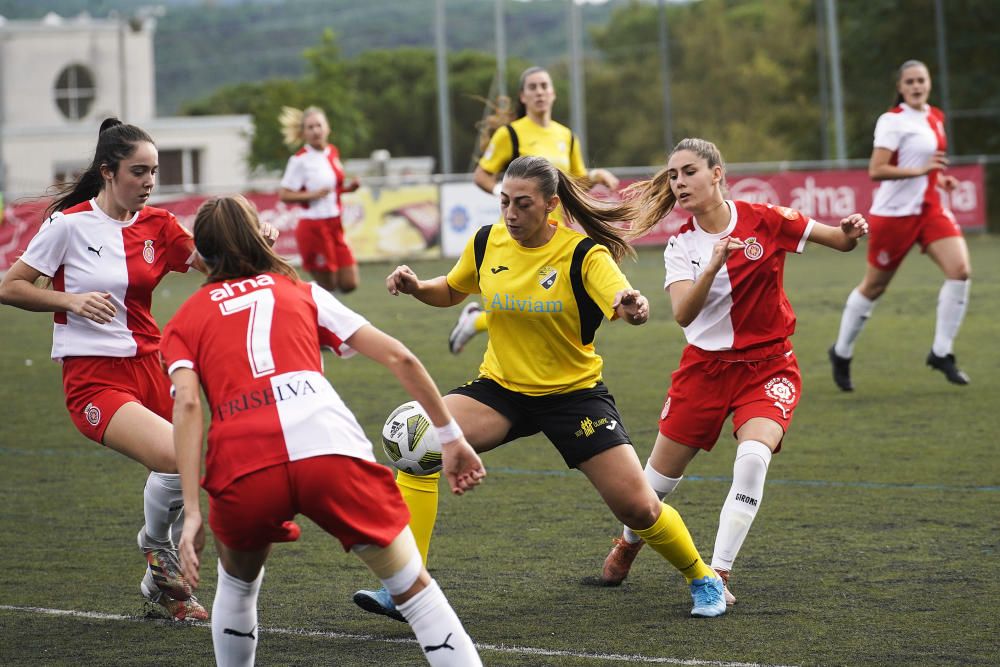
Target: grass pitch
pixel 876 543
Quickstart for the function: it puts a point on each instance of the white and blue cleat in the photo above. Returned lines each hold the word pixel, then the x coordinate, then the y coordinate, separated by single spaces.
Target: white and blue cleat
pixel 707 594
pixel 379 602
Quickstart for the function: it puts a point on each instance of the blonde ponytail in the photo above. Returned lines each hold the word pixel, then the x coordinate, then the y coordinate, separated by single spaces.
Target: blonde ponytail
pixel 292 121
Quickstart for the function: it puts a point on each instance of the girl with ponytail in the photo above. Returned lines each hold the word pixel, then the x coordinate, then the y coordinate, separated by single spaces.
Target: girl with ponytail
pixel 314 179
pixel 105 250
pixel 547 289
pixel 724 277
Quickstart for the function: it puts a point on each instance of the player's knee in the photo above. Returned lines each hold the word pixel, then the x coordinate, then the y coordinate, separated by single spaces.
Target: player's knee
pixel 639 514
pixel 324 279
pixel 961 272
pixel 347 280
pixel 398 565
pixel 873 290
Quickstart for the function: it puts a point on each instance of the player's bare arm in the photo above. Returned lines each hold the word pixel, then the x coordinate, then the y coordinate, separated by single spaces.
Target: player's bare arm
pixel 433 292
pixel 462 466
pixel 844 236
pixel 688 297
pixel 19 289
pixel 188 432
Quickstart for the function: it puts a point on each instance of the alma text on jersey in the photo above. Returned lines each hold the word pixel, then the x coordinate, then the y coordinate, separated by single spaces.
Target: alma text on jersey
pixel 529 305
pixel 231 289
pixel 258 398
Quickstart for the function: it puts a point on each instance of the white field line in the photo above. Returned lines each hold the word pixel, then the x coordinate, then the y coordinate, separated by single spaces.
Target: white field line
pixel 499 648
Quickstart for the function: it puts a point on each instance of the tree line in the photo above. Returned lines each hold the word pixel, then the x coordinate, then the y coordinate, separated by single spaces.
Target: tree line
pixel 744 74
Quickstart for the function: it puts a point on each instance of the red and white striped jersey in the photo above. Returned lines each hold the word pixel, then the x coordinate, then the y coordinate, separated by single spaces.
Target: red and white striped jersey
pixel 255 345
pixel 746 304
pixel 913 137
pixel 84 250
pixel 311 169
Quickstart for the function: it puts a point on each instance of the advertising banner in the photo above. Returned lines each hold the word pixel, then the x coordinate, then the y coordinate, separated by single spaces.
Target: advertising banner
pixel 464 209
pixel 828 196
pixel 428 220
pixel 382 223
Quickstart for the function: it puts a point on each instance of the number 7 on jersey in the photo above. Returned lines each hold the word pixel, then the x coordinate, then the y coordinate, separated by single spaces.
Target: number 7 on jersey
pixel 260 303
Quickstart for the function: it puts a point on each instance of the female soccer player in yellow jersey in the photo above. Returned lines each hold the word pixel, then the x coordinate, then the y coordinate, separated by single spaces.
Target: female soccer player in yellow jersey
pixel 547 288
pixel 532 133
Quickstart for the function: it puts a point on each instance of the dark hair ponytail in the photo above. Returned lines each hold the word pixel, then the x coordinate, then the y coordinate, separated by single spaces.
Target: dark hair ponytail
pixel 599 218
pixel 116 141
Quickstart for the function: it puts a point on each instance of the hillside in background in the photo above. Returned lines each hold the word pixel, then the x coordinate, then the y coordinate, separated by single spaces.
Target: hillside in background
pixel 204 44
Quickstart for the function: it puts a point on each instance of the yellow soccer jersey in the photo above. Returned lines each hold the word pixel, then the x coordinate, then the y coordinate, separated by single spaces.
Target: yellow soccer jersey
pixel 552 143
pixel 535 328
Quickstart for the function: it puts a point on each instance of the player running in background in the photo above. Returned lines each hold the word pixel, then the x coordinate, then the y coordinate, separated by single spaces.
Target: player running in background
pixel 314 178
pixel 532 133
pixel 547 289
pixel 281 440
pixel 909 158
pixel 105 251
pixel 724 276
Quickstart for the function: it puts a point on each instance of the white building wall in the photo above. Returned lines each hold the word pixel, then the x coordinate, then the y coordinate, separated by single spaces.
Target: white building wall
pixel 37 141
pixel 34 53
pixel 223 141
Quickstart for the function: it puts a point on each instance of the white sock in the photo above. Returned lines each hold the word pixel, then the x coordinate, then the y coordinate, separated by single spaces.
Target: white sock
pixel 177 528
pixel 162 504
pixel 662 486
pixel 442 638
pixel 234 619
pixel 742 503
pixel 857 310
pixel 952 300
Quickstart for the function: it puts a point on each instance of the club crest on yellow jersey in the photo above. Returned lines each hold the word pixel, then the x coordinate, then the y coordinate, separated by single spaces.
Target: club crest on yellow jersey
pixel 547 276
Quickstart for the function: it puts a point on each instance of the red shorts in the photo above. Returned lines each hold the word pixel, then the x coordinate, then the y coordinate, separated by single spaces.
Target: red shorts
pixel 354 500
pixel 709 386
pixel 890 238
pixel 96 387
pixel 322 245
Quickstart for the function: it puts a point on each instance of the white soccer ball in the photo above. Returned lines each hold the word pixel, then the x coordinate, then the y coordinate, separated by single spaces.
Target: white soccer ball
pixel 410 440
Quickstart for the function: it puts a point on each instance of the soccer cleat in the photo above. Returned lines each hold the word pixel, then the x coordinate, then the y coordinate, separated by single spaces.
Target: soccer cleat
pixel 708 597
pixel 619 561
pixel 165 568
pixel 841 370
pixel 465 328
pixel 726 593
pixel 159 603
pixel 946 365
pixel 378 602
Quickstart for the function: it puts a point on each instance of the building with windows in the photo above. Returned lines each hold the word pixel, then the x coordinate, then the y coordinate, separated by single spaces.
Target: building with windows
pixel 60 77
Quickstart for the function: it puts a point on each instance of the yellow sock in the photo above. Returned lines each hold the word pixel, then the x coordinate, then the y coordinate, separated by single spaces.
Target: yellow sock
pixel 670 538
pixel 421 495
pixel 482 320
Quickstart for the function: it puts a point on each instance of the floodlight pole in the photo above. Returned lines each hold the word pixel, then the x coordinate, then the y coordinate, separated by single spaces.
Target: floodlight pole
pixel 444 109
pixel 824 84
pixel 3 111
pixel 668 121
pixel 833 35
pixel 942 75
pixel 578 111
pixel 501 46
